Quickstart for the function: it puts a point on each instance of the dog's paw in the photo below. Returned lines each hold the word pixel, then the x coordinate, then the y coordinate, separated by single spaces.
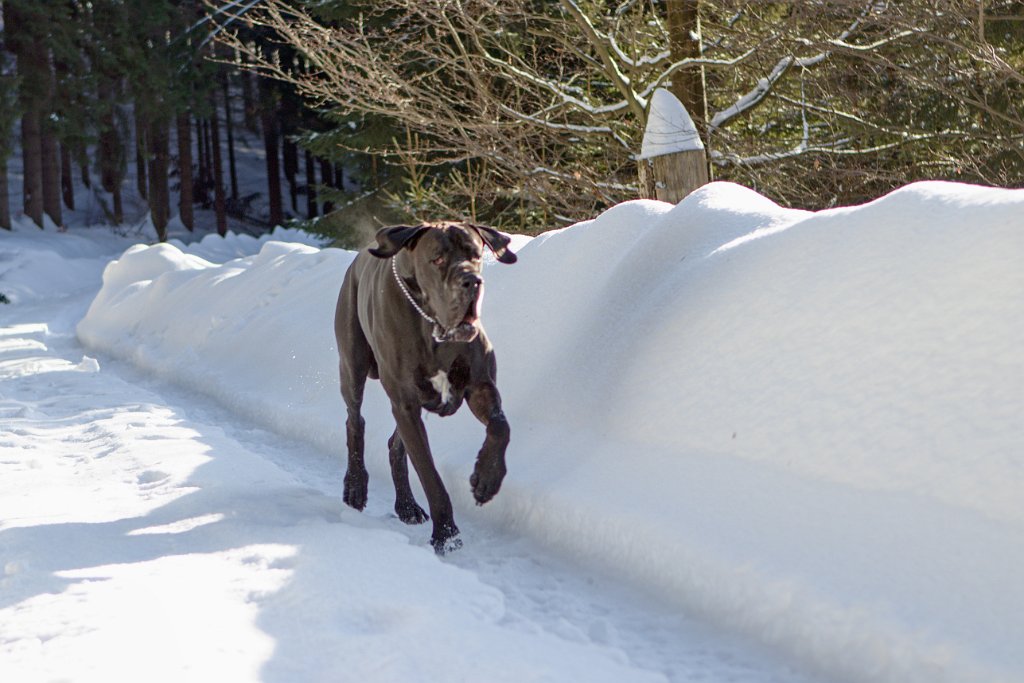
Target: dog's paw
pixel 448 545
pixel 445 538
pixel 355 489
pixel 410 512
pixel 486 481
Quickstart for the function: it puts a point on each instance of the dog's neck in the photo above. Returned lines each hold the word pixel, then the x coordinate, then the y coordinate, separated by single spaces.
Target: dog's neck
pixel 437 331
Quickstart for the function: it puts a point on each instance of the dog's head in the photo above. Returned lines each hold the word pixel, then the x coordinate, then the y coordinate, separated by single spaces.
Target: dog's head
pixel 445 263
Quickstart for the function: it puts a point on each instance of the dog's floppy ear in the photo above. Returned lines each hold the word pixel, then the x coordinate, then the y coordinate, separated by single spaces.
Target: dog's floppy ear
pixel 391 240
pixel 497 242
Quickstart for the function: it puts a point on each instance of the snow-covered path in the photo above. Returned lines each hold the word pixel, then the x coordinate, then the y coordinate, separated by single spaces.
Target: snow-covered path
pixel 146 532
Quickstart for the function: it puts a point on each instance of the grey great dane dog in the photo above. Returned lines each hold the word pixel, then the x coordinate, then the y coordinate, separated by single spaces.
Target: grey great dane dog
pixel 409 315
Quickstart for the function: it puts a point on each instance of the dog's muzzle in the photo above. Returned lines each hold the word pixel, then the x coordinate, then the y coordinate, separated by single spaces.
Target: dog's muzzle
pixel 467 329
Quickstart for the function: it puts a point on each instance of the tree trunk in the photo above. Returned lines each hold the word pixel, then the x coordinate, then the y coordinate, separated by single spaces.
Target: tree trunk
pixel 290 157
pixel 310 185
pixel 159 190
pixel 219 203
pixel 32 63
pixel 49 146
pixel 271 136
pixel 200 151
pixel 32 59
pixel 67 184
pixel 201 182
pixel 5 198
pixel 685 43
pixel 32 158
pixel 109 152
pixel 86 180
pixel 230 128
pixel 140 153
pixel 248 103
pixel 185 199
pixel 118 205
pixel 110 149
pixel 208 150
pixel 51 175
pixel 327 180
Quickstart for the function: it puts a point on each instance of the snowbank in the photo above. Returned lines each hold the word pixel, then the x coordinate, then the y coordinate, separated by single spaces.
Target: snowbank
pixel 804 426
pixel 213 247
pixel 32 269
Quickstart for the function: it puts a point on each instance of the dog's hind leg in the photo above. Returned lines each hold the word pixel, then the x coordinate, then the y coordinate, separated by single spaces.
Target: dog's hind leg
pixel 356 360
pixel 405 503
pixel 353 381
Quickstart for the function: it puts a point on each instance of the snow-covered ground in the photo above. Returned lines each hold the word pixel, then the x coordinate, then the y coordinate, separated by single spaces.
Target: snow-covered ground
pixel 146 532
pixel 749 444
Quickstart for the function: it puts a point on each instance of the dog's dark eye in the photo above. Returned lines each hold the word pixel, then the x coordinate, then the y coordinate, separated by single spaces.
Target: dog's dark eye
pixel 439 261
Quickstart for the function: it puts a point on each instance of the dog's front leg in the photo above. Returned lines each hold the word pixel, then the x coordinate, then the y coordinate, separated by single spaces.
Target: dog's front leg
pixel 485 402
pixel 406 507
pixel 414 436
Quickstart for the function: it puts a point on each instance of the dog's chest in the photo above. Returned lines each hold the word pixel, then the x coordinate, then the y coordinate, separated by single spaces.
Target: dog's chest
pixel 442 385
pixel 442 390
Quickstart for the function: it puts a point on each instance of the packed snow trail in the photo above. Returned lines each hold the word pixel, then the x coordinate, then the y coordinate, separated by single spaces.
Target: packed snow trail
pixel 147 533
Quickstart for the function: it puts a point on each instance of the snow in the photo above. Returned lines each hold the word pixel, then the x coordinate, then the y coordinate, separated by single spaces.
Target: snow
pixel 669 127
pixel 801 431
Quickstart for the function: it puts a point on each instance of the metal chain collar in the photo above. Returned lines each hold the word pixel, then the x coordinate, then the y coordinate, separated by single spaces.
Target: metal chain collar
pixel 438 331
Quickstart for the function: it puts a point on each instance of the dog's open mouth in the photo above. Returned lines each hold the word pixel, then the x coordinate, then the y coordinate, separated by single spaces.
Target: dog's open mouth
pixel 471 314
pixel 466 330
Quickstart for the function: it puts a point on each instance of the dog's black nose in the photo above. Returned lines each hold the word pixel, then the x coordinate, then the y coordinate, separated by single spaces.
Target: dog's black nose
pixel 471 281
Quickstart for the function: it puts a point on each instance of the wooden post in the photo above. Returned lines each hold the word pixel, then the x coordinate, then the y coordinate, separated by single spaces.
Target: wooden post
pixel 670 177
pixel 672 163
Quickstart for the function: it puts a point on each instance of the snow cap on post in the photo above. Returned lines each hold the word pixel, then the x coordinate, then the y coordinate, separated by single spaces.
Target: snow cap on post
pixel 672 162
pixel 669 127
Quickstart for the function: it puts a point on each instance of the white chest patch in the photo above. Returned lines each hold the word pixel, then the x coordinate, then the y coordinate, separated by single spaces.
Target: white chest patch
pixel 442 385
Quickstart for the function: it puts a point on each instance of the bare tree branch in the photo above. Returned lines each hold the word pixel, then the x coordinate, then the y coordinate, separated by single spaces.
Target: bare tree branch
pixel 531 111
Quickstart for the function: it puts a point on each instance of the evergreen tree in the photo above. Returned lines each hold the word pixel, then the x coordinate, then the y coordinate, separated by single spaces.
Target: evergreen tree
pixel 165 77
pixel 108 51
